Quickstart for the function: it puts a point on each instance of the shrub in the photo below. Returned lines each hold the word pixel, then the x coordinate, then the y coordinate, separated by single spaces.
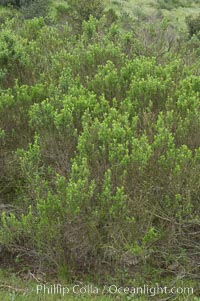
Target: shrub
pixel 100 147
pixel 34 8
pixel 11 2
pixel 81 10
pixel 30 8
pixel 193 24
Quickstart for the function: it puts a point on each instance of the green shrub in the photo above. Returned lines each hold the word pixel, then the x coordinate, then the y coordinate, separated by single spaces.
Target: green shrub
pixel 171 4
pixel 30 8
pixel 193 24
pixel 99 136
pixel 34 8
pixel 11 2
pixel 79 11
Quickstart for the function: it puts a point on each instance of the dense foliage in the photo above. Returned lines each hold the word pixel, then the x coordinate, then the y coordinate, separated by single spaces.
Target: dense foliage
pixel 193 24
pixel 29 8
pixel 99 146
pixel 171 4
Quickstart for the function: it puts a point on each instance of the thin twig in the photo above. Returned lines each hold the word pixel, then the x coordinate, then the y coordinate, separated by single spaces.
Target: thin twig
pixel 16 289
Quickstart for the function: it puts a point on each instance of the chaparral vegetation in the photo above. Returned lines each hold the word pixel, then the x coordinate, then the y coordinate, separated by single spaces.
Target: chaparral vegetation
pixel 100 140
